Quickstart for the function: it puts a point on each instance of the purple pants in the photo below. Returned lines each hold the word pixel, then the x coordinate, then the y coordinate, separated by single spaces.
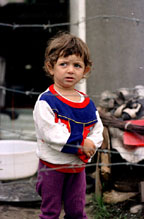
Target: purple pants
pixel 55 187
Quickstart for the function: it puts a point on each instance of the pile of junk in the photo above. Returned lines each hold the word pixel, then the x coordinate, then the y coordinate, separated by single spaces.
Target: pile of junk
pixel 120 159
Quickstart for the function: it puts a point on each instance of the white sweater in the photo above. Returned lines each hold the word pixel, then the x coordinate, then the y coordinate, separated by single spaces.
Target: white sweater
pixel 52 136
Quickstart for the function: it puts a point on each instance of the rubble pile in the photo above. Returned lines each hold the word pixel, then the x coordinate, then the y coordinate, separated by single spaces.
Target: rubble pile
pixel 125 103
pixel 127 106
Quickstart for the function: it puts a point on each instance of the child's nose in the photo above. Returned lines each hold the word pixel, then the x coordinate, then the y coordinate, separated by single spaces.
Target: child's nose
pixel 70 69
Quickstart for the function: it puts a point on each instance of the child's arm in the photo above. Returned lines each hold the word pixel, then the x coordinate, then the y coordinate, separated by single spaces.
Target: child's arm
pixel 54 134
pixel 94 139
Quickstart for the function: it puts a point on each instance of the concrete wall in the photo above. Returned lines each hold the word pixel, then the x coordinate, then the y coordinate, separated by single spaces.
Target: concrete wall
pixel 116 44
pixel 78 28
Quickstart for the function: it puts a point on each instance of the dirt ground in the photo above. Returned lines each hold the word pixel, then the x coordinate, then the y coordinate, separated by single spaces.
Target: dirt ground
pixel 15 208
pixel 29 211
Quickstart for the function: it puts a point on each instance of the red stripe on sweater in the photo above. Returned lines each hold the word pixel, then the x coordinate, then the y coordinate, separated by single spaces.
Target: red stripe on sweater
pixel 68 102
pixel 64 168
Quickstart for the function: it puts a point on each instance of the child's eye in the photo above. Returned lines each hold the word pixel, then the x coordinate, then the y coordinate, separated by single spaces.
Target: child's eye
pixel 77 65
pixel 63 64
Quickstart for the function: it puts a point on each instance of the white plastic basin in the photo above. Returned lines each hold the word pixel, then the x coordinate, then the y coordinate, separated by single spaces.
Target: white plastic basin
pixel 17 159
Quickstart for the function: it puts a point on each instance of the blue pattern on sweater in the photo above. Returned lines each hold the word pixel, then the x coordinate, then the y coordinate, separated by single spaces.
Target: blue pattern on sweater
pixel 78 118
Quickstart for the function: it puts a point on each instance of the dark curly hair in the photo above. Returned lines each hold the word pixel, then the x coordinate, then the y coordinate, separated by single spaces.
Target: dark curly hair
pixel 62 45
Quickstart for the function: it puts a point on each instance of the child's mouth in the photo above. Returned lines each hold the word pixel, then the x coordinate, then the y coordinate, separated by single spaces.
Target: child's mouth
pixel 69 78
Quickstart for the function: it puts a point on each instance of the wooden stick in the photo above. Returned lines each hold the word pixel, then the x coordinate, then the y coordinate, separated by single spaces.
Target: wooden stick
pixel 105 157
pixel 98 186
pixel 111 121
pixel 142 190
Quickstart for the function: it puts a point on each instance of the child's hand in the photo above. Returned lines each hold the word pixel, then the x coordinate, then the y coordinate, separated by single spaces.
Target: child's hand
pixel 89 148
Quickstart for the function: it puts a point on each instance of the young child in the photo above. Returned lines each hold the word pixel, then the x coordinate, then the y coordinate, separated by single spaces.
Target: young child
pixel 68 129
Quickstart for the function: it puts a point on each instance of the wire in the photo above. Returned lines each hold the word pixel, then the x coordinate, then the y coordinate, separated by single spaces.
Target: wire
pixel 137 20
pixel 31 92
pixel 27 93
pixel 33 137
pixel 31 181
pixel 44 26
pixel 47 26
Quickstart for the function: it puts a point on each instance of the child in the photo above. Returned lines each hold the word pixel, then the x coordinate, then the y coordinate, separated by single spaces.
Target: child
pixel 68 129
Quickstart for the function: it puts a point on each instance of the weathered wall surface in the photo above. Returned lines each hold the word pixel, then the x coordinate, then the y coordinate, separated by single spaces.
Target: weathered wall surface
pixel 116 43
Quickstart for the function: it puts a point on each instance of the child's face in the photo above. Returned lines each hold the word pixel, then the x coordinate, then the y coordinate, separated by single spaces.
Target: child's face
pixel 68 71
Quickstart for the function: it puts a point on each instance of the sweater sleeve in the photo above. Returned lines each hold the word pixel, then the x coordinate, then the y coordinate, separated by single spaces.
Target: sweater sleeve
pixel 96 135
pixel 55 134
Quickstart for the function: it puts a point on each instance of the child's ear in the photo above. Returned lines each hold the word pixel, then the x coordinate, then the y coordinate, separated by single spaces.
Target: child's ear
pixel 87 70
pixel 49 68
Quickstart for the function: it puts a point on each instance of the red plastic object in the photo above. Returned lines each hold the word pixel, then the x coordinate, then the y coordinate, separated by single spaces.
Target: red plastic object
pixel 134 139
